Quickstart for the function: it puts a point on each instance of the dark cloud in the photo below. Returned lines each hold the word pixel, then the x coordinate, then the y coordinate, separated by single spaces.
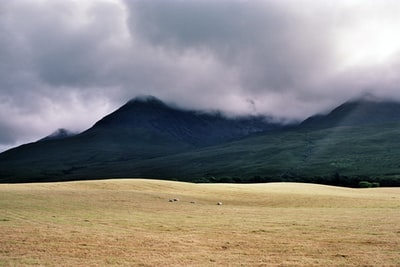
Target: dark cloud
pixel 67 63
pixel 271 46
pixel 277 52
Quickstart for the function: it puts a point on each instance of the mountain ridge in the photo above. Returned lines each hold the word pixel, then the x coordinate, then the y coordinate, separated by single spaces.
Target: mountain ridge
pixel 148 138
pixel 188 126
pixel 59 134
pixel 139 130
pixel 357 112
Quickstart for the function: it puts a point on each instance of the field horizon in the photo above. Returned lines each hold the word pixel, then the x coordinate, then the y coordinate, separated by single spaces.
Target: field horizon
pixel 136 222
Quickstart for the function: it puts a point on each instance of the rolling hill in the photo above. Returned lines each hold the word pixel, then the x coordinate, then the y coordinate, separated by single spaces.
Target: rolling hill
pixel 357 141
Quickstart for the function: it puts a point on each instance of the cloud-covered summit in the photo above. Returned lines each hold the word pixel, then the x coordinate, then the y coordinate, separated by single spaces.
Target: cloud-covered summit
pixel 68 63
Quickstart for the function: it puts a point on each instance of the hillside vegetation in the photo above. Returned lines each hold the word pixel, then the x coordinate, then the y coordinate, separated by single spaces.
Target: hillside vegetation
pixel 358 143
pixel 132 223
pixel 342 155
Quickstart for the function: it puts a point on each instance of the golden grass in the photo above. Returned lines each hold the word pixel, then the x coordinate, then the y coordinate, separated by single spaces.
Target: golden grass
pixel 132 223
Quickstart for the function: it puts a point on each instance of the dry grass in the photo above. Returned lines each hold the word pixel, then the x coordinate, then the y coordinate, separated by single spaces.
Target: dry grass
pixel 132 223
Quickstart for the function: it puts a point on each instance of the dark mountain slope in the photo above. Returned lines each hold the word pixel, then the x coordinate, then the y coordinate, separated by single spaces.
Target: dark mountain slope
pixel 191 127
pixel 142 129
pixel 58 134
pixel 358 112
pixel 359 140
pixel 341 155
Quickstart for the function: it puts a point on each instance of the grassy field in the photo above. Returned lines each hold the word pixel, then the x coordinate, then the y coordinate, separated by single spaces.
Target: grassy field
pixel 132 223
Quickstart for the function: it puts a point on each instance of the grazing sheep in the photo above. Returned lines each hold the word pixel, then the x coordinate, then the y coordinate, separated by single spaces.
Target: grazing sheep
pixel 176 199
pixel 171 200
pixel 219 203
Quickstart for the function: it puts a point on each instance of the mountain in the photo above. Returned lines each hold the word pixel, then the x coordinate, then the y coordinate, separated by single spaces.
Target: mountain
pixel 342 156
pixel 144 128
pixel 59 134
pixel 357 141
pixel 357 112
pixel 190 127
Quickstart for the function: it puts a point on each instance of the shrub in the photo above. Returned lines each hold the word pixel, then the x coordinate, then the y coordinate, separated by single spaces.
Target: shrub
pixel 364 184
pixel 375 184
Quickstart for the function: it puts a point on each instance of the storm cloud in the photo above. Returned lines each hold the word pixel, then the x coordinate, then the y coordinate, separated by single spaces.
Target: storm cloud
pixel 68 63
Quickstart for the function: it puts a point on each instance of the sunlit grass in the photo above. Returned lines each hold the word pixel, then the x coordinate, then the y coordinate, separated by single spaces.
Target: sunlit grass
pixel 132 222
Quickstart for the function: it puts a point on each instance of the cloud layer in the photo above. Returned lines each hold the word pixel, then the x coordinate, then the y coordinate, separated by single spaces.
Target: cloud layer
pixel 68 63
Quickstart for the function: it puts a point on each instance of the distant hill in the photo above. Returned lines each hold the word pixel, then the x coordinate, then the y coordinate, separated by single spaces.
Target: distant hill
pixel 357 141
pixel 357 112
pixel 144 128
pixel 343 155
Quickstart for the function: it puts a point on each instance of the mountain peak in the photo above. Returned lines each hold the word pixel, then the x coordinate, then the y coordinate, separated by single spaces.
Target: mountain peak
pixel 58 134
pixel 146 99
pixel 185 126
pixel 368 98
pixel 360 111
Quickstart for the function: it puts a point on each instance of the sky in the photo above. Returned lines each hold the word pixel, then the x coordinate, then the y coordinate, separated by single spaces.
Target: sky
pixel 66 64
